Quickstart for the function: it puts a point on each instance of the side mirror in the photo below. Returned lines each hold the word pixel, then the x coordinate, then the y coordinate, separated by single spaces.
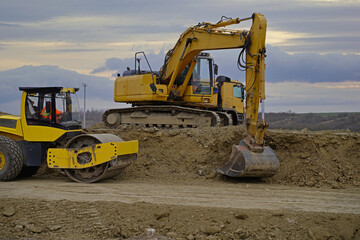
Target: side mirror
pixel 216 69
pixel 47 107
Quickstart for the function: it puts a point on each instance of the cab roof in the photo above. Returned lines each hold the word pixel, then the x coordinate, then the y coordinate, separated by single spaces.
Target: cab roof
pixel 46 89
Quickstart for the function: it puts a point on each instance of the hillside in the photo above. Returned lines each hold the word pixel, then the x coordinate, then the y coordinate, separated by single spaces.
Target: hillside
pixel 314 121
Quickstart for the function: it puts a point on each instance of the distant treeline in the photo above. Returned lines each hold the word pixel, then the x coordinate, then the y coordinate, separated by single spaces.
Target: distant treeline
pixel 93 117
pixel 314 121
pixel 285 120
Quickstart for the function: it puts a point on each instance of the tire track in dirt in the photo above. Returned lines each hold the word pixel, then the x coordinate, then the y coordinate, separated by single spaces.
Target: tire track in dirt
pixel 247 196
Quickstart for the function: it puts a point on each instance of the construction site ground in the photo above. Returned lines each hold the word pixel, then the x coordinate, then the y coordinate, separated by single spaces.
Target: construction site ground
pixel 172 189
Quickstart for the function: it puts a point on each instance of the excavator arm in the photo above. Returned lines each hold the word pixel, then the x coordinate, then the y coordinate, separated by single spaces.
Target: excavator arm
pixel 196 39
pixel 204 36
pixel 207 36
pixel 255 82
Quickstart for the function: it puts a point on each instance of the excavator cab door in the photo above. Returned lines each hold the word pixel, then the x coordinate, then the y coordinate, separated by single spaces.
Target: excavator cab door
pixel 202 76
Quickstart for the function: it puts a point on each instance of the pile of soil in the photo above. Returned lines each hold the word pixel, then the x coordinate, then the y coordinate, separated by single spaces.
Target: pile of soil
pixel 327 159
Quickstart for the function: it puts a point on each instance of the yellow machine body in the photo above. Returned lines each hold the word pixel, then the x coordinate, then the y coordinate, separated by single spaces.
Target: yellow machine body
pixel 136 88
pixel 185 93
pixel 232 96
pixel 72 158
pixel 11 127
pixel 37 139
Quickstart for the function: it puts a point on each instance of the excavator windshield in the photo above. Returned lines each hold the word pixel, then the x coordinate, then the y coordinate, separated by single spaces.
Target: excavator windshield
pixel 202 76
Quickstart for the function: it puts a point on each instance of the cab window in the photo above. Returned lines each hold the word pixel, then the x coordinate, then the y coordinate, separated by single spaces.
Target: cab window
pixel 202 77
pixel 38 110
pixel 238 91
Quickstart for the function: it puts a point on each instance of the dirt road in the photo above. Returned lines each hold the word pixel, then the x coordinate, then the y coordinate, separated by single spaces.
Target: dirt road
pixel 171 188
pixel 55 208
pixel 245 196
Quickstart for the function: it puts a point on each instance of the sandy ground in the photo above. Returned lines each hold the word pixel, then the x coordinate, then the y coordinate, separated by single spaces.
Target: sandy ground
pixel 171 188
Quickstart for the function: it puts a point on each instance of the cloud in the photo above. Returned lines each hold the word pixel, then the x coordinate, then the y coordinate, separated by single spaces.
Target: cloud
pixel 42 76
pixel 313 97
pixel 80 35
pixel 281 96
pixel 127 20
pixel 2 24
pixel 305 67
pixel 311 67
pixel 12 107
pixel 72 50
pixel 326 44
pixel 119 65
pixel 280 66
pixel 310 42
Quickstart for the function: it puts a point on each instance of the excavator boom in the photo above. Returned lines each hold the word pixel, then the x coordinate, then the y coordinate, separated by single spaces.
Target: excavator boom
pixel 251 158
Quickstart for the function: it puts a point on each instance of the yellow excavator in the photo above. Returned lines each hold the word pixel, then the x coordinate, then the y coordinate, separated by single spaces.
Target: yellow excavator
pixel 184 92
pixel 49 130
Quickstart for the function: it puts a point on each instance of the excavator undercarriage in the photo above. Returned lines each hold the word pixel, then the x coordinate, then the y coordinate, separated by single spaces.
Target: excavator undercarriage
pixel 168 116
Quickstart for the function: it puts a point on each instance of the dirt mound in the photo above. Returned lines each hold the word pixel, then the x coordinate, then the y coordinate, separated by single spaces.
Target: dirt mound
pixel 182 160
pixel 323 158
pixel 307 158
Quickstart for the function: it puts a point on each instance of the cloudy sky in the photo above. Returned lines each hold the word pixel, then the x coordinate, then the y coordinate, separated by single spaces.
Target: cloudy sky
pixel 313 62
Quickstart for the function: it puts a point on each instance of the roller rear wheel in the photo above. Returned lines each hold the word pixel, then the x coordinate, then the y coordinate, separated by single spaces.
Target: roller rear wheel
pixel 11 159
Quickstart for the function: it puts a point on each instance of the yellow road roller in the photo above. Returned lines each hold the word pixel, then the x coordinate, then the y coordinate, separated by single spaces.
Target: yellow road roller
pixel 49 129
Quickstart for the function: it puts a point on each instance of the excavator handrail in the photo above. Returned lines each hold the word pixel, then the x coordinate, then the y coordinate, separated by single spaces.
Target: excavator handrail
pixel 152 86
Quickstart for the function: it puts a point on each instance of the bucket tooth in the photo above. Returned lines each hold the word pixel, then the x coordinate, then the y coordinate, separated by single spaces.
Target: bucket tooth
pixel 245 163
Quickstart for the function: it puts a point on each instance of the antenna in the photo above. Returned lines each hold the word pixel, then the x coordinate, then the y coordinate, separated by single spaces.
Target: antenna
pixel 84 120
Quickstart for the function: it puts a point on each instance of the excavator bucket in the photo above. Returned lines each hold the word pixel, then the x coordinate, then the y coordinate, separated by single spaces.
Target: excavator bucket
pixel 244 163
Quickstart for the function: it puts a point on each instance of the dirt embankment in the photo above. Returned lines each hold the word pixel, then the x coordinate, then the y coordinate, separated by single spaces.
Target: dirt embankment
pixel 327 159
pixel 325 163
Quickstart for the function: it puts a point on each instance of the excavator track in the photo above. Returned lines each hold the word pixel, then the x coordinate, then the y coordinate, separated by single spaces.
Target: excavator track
pixel 165 117
pixel 102 171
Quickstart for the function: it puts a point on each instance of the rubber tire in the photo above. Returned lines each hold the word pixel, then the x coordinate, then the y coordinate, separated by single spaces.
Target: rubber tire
pixel 14 159
pixel 28 171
